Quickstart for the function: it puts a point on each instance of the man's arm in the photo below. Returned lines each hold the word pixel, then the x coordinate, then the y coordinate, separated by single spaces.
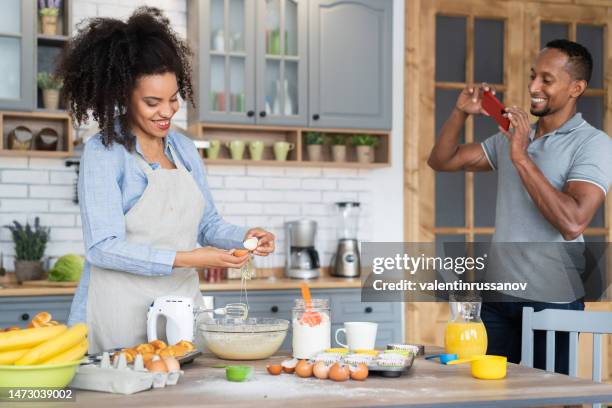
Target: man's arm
pixel 570 211
pixel 448 154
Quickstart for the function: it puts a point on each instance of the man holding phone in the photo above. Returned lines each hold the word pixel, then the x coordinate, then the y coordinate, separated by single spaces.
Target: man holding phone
pixel 553 175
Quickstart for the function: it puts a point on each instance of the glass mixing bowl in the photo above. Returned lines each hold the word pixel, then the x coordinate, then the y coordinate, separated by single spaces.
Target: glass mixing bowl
pixel 249 339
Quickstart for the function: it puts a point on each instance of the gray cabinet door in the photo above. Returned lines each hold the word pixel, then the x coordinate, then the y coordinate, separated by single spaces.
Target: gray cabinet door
pixel 350 56
pixel 222 34
pixel 17 31
pixel 282 30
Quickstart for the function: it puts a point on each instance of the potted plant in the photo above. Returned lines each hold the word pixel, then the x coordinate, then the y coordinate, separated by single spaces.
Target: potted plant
pixel 314 145
pixel 365 147
pixel 49 10
pixel 50 87
pixel 338 146
pixel 30 244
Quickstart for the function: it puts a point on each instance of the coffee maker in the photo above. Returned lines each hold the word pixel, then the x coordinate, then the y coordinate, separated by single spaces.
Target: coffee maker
pixel 346 263
pixel 302 259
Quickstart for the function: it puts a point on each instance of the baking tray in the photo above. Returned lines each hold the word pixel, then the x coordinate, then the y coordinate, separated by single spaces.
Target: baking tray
pixel 392 372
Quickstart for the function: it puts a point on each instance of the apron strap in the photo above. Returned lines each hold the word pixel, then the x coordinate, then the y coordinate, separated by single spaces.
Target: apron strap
pixel 179 165
pixel 146 167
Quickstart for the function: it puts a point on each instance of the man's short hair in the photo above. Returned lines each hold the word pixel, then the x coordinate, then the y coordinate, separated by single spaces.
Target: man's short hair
pixel 580 62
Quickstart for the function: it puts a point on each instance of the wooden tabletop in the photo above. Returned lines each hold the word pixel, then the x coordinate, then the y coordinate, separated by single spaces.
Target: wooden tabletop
pixel 428 384
pixel 325 282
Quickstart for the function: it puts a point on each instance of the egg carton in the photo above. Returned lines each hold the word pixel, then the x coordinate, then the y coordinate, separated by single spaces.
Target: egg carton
pixel 120 378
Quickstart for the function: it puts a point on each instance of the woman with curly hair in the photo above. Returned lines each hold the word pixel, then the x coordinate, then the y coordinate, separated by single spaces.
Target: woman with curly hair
pixel 145 203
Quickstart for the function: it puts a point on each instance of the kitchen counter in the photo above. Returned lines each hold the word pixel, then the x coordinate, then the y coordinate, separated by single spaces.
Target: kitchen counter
pixel 324 282
pixel 427 384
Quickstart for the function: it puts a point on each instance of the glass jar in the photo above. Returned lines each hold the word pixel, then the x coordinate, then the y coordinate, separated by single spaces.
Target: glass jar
pixel 311 326
pixel 465 333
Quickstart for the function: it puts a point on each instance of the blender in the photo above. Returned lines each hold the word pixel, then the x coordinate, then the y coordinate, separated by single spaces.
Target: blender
pixel 345 262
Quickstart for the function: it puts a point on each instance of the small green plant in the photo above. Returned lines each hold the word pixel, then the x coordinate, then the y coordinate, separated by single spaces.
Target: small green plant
pixel 337 139
pixel 49 7
pixel 314 138
pixel 48 81
pixel 363 139
pixel 30 243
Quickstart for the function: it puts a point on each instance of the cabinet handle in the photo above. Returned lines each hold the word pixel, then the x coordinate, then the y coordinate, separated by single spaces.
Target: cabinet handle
pixel 316 116
pixel 25 317
pixel 274 309
pixel 368 309
pixel 250 113
pixel 262 114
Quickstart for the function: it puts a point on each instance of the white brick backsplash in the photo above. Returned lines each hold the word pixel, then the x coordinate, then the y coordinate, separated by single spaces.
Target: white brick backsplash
pixel 14 162
pixel 282 209
pixel 51 191
pixel 276 183
pixel 63 177
pixel 303 196
pixel 265 171
pixel 57 220
pixel 63 206
pixel 228 195
pixel 66 234
pixel 13 205
pixel 13 191
pixel 251 196
pixel 243 182
pixel 269 196
pixel 25 176
pixel 226 170
pixel 242 209
pixel 319 184
pixel 215 181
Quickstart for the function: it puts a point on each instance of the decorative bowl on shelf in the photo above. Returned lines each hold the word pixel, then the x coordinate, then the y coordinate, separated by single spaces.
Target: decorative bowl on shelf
pixel 47 140
pixel 20 138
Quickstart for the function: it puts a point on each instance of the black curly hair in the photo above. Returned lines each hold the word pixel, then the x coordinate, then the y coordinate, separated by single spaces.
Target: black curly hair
pixel 100 66
pixel 580 61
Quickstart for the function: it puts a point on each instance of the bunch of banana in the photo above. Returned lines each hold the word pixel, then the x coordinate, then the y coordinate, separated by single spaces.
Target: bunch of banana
pixel 46 344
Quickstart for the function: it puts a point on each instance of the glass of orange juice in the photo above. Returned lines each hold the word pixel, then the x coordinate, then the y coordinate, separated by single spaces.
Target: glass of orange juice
pixel 465 333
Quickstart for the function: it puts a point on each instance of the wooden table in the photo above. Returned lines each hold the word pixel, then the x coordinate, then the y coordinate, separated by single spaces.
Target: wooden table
pixel 428 384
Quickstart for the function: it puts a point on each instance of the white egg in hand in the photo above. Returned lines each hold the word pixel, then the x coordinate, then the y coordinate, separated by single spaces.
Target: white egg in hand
pixel 251 243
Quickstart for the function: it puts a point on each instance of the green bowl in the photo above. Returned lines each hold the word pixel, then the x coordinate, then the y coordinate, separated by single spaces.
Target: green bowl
pixel 34 376
pixel 238 373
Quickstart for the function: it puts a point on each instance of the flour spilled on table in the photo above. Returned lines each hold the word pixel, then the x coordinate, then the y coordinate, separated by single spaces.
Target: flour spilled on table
pixel 286 386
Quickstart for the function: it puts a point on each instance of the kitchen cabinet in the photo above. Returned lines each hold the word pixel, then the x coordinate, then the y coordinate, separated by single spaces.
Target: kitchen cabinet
pixel 17 27
pixel 345 305
pixel 350 56
pixel 250 61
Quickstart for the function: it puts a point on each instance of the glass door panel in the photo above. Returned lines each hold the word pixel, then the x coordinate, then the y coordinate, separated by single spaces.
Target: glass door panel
pixel 291 88
pixel 10 18
pixel 237 26
pixel 237 85
pixel 273 28
pixel 273 88
pixel 10 66
pixel 217 84
pixel 291 28
pixel 217 26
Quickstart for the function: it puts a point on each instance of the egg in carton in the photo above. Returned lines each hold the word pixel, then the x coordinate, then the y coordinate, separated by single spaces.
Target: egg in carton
pixel 160 378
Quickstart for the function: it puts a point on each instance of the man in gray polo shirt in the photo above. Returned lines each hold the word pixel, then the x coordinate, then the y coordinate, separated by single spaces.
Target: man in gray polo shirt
pixel 552 177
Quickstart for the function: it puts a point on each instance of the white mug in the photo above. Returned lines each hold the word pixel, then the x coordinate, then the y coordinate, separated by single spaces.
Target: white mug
pixel 359 335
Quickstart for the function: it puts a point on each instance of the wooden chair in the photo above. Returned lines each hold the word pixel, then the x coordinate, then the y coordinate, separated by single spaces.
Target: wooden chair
pixel 573 322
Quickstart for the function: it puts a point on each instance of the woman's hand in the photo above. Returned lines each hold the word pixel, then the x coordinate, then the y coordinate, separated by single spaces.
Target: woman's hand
pixel 209 257
pixel 266 245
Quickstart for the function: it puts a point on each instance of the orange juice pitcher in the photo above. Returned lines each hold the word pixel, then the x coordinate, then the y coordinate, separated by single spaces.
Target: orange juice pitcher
pixel 465 333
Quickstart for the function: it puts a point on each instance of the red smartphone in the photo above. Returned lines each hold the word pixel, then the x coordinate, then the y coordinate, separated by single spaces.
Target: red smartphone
pixel 495 108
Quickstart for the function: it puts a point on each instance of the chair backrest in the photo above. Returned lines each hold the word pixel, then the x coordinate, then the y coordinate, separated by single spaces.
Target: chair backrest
pixel 571 321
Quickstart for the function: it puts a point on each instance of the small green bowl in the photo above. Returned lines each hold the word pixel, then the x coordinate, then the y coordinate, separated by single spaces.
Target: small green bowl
pixel 35 376
pixel 238 373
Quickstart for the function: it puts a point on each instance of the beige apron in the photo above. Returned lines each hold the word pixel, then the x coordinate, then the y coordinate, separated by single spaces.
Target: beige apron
pixel 167 217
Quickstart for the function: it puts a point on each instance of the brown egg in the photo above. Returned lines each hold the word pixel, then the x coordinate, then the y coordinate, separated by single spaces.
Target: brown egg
pixel 156 364
pixel 274 369
pixel 321 370
pixel 289 365
pixel 304 369
pixel 172 364
pixel 339 372
pixel 359 372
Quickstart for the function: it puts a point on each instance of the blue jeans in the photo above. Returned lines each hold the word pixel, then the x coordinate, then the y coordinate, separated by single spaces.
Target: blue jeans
pixel 504 320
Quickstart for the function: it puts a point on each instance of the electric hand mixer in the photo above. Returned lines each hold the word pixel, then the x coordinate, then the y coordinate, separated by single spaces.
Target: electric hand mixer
pixel 180 316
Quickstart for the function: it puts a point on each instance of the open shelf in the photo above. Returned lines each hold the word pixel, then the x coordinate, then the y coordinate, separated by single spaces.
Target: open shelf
pixel 297 157
pixel 35 122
